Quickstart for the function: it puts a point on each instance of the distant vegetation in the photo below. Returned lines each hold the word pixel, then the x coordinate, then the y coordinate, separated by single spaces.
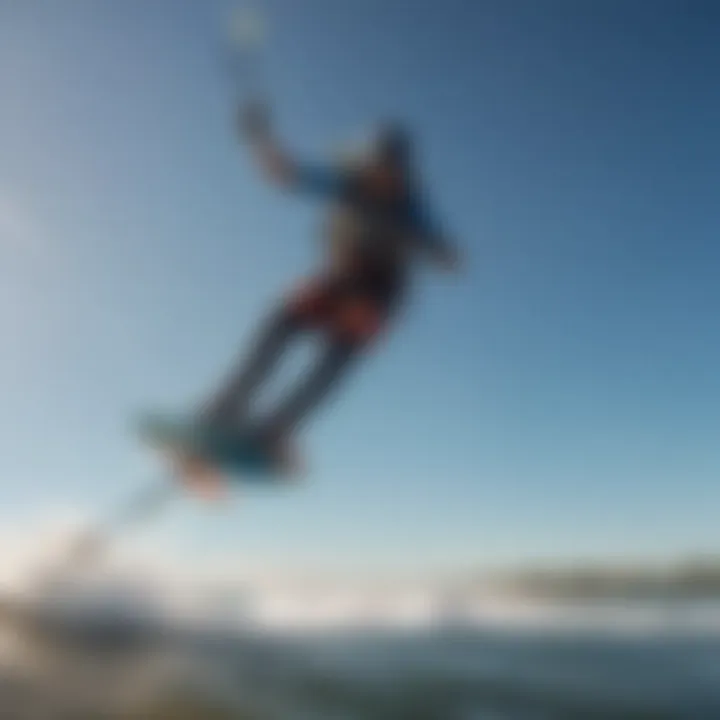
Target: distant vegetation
pixel 690 579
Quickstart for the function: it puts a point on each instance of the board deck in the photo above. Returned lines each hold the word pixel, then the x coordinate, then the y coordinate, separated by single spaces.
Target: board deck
pixel 234 455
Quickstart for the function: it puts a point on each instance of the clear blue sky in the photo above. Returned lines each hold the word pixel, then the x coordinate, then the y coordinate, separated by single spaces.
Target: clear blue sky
pixel 562 398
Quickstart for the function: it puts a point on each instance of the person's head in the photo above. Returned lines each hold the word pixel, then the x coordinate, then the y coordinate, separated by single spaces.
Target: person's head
pixel 388 162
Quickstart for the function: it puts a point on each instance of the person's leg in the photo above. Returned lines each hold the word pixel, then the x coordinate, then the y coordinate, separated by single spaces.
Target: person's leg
pixel 304 308
pixel 351 329
pixel 337 358
pixel 229 406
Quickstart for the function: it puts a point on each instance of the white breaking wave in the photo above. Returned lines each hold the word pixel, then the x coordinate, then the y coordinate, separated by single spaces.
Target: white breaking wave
pixel 286 610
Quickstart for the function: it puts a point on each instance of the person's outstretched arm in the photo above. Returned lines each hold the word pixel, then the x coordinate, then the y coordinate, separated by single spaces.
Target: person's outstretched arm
pixel 277 164
pixel 440 249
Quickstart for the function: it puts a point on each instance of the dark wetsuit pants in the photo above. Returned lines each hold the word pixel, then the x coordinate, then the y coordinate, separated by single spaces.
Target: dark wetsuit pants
pixel 348 312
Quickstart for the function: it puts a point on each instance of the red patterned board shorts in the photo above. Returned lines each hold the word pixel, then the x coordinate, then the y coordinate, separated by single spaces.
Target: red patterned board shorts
pixel 354 306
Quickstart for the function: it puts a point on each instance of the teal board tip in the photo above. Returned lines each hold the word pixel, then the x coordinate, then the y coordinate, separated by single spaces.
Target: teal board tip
pixel 235 454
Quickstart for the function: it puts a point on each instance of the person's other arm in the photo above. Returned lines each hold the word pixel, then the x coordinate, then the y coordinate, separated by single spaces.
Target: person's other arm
pixel 433 241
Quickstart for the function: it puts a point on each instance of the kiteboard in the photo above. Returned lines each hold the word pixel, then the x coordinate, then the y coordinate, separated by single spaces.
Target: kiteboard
pixel 209 458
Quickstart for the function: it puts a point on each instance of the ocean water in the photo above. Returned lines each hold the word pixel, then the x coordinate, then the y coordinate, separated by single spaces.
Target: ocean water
pixel 483 674
pixel 657 665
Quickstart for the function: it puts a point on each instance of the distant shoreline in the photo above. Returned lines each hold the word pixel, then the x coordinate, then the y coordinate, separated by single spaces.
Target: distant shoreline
pixel 684 580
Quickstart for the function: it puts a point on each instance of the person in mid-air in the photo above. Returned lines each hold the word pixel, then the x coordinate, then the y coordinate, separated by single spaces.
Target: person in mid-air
pixel 378 225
